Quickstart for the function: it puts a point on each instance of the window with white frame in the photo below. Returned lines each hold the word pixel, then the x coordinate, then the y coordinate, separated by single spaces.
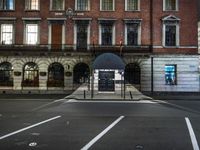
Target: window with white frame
pixel 6 4
pixel 132 33
pixel 107 5
pixel 131 5
pixel 6 33
pixel 32 5
pixel 57 5
pixel 32 34
pixel 170 75
pixel 171 31
pixel 107 33
pixel 170 5
pixel 82 5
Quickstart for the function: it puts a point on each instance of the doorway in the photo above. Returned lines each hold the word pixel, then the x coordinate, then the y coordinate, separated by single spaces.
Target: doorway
pixel 106 81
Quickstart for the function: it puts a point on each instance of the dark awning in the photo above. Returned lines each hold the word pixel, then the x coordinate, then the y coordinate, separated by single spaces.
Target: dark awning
pixel 108 61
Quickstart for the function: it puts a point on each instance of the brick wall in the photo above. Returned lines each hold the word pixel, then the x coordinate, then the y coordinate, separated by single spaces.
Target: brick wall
pixel 187 13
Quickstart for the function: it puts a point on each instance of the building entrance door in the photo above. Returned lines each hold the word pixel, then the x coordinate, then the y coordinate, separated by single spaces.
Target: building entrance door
pixel 106 81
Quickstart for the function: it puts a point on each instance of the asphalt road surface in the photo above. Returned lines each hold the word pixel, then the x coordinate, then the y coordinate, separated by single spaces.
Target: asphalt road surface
pixel 99 125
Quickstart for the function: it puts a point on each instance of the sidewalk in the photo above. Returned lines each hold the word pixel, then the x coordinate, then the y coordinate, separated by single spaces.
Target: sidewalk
pixel 84 93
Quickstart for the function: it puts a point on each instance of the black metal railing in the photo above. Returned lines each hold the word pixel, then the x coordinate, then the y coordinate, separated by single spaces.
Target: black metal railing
pixel 74 48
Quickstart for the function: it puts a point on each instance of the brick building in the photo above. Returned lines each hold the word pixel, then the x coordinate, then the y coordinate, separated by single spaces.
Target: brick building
pixel 50 45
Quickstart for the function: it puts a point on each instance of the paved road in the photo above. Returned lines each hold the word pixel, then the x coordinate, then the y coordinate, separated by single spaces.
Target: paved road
pixel 74 125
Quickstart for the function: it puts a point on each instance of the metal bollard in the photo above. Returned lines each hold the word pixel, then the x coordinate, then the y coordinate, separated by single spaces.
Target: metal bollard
pixel 131 95
pixel 84 94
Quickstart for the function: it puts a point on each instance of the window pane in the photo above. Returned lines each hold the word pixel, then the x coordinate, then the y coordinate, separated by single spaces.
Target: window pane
pixel 9 5
pixel 6 4
pixel 170 35
pixel 32 34
pixel 82 35
pixel 132 4
pixel 170 74
pixel 30 77
pixel 57 5
pixel 6 74
pixel 107 4
pixel 170 4
pixel 132 34
pixel 82 4
pixel 106 33
pixel 6 33
pixel 32 4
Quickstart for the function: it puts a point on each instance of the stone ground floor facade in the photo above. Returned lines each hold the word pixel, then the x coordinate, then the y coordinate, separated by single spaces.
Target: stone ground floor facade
pixel 58 74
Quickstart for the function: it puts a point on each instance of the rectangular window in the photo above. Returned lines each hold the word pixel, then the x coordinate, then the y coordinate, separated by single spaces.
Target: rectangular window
pixel 32 4
pixel 170 75
pixel 106 34
pixel 107 5
pixel 57 4
pixel 32 34
pixel 170 35
pixel 131 5
pixel 132 34
pixel 82 34
pixel 7 34
pixel 170 5
pixel 6 4
pixel 82 5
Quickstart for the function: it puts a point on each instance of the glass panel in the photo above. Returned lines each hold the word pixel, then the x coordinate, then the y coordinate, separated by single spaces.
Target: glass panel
pixel 132 34
pixel 170 4
pixel 6 74
pixel 32 4
pixel 107 4
pixel 9 4
pixel 82 4
pixel 82 36
pixel 132 4
pixel 106 34
pixel 170 74
pixel 6 33
pixel 57 5
pixel 32 34
pixel 31 77
pixel 170 35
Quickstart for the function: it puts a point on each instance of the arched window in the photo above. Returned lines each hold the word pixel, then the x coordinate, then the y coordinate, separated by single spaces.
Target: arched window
pixel 6 74
pixel 55 75
pixel 81 73
pixel 30 75
pixel 132 73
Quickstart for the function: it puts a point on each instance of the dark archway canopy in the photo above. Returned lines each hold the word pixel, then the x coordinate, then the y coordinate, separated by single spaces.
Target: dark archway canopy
pixel 108 61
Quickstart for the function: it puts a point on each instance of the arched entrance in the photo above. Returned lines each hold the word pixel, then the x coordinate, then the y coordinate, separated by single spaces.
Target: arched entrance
pixel 6 74
pixel 55 75
pixel 81 74
pixel 30 75
pixel 109 69
pixel 133 74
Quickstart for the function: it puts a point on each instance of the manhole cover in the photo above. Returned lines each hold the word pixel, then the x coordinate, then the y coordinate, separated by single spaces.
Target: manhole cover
pixel 33 144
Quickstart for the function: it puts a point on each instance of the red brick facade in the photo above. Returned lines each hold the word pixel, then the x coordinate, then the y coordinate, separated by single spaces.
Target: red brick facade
pixel 187 12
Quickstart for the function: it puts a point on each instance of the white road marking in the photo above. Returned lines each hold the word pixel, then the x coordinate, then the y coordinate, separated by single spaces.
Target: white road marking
pixel 87 146
pixel 192 135
pixel 86 101
pixel 29 127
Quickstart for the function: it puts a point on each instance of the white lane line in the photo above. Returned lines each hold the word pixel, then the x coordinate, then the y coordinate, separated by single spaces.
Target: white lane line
pixel 29 127
pixel 87 146
pixel 192 135
pixel 123 102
